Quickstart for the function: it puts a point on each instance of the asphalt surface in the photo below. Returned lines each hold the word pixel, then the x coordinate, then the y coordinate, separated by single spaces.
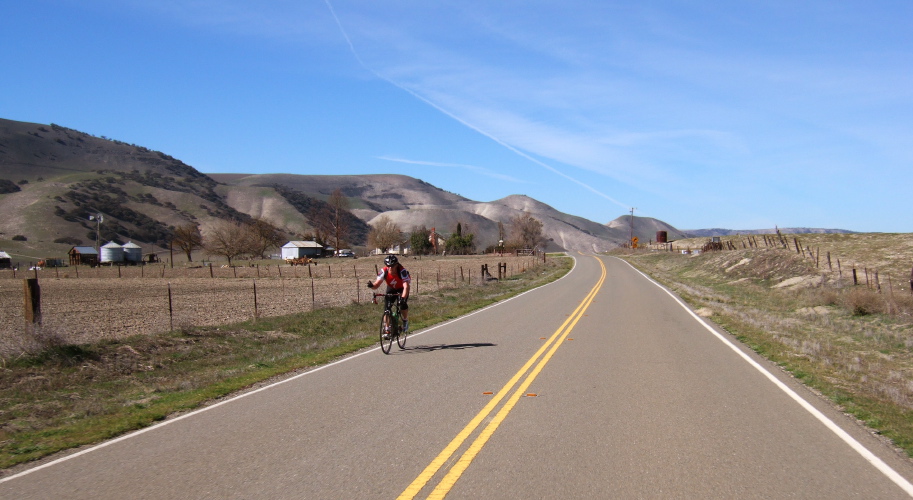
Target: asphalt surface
pixel 600 385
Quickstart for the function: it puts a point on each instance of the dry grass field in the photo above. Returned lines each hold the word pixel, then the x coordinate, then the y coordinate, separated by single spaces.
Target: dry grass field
pixel 87 305
pixel 852 341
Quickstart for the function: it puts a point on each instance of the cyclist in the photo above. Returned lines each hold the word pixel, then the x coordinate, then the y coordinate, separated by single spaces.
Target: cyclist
pixel 398 280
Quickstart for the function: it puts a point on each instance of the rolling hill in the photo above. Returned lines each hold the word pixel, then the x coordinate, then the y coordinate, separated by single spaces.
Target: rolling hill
pixel 53 177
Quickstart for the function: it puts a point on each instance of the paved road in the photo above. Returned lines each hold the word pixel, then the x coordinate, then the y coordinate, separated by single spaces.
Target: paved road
pixel 599 385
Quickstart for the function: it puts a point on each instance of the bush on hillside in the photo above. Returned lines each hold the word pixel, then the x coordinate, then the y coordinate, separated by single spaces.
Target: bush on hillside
pixel 7 186
pixel 69 240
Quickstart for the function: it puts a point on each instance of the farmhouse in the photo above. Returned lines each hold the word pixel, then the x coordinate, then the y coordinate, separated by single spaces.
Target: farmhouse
pixel 6 262
pixel 298 249
pixel 83 256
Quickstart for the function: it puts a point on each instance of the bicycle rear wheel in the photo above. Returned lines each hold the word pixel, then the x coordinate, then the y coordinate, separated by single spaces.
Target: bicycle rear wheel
pixel 386 332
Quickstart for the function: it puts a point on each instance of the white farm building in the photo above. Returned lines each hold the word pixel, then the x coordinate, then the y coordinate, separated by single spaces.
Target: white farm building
pixel 298 249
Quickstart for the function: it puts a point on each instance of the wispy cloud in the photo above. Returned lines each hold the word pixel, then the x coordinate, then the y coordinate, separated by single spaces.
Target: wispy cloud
pixel 473 168
pixel 424 97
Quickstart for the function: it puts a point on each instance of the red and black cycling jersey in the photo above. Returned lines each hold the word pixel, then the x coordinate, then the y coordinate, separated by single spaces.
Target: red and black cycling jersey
pixel 395 280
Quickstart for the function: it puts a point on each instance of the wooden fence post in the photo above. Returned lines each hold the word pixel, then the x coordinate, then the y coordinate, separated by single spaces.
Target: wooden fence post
pixel 313 296
pixel 855 279
pixel 891 295
pixel 32 300
pixel 256 311
pixel 170 310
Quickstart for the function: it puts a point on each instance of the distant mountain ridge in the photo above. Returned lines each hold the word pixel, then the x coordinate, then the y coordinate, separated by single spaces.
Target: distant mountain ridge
pixel 54 177
pixel 701 233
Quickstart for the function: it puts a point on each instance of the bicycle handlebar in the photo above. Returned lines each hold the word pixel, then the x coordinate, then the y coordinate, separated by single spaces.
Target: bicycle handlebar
pixel 376 295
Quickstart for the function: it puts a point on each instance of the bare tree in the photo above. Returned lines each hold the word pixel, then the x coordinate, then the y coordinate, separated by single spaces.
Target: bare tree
pixel 385 234
pixel 339 206
pixel 320 217
pixel 187 237
pixel 262 236
pixel 526 231
pixel 228 239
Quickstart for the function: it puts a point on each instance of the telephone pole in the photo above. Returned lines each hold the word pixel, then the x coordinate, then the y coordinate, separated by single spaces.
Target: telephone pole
pixel 631 239
pixel 98 218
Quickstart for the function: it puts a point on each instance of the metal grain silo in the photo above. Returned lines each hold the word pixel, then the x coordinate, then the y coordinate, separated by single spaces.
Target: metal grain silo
pixel 111 253
pixel 661 236
pixel 133 253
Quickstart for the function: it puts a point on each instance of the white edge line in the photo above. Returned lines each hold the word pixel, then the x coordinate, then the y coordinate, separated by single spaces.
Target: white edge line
pixel 270 386
pixel 850 440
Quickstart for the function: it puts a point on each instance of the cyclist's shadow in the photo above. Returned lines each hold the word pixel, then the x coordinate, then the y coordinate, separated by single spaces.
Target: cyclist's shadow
pixel 438 347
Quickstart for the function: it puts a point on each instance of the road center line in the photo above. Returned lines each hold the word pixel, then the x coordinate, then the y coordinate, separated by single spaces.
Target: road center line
pixel 454 474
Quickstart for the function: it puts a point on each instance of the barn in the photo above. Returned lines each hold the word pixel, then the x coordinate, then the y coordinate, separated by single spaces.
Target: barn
pixel 6 262
pixel 298 249
pixel 83 256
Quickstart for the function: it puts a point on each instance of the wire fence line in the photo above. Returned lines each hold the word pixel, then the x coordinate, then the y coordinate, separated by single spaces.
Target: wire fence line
pixel 90 304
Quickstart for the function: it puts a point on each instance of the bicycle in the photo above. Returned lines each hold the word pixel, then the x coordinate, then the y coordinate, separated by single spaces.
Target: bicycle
pixel 390 327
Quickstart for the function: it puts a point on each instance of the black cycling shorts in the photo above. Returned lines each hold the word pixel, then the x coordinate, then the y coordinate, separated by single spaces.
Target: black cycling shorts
pixel 403 303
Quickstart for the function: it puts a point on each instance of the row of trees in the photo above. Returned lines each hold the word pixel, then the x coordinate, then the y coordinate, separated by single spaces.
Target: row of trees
pixel 523 231
pixel 233 240
pixel 229 239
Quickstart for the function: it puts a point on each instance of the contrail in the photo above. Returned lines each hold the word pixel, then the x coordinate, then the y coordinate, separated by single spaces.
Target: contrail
pixel 474 168
pixel 464 122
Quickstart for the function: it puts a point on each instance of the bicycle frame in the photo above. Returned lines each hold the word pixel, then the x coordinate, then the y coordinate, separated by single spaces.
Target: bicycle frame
pixel 394 308
pixel 391 330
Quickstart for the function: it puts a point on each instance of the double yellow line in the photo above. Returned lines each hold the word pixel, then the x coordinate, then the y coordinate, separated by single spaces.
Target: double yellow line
pixel 551 345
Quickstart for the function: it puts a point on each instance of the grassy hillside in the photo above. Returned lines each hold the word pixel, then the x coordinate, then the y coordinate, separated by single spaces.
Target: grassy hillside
pixel 852 342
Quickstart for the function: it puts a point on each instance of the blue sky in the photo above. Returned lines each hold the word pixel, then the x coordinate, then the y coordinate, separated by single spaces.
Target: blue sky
pixel 740 115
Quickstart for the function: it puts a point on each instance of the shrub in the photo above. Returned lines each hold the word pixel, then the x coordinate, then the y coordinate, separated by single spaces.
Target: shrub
pixel 8 186
pixel 19 237
pixel 69 240
pixel 861 302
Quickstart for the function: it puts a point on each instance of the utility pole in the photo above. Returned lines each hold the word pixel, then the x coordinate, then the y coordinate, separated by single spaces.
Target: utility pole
pixel 98 218
pixel 631 240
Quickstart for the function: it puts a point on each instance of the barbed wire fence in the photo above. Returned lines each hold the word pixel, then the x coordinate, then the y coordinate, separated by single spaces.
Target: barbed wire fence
pixel 78 305
pixel 859 274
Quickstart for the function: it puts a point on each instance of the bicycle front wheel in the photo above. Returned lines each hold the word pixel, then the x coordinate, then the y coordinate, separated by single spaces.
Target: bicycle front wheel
pixel 386 332
pixel 401 336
